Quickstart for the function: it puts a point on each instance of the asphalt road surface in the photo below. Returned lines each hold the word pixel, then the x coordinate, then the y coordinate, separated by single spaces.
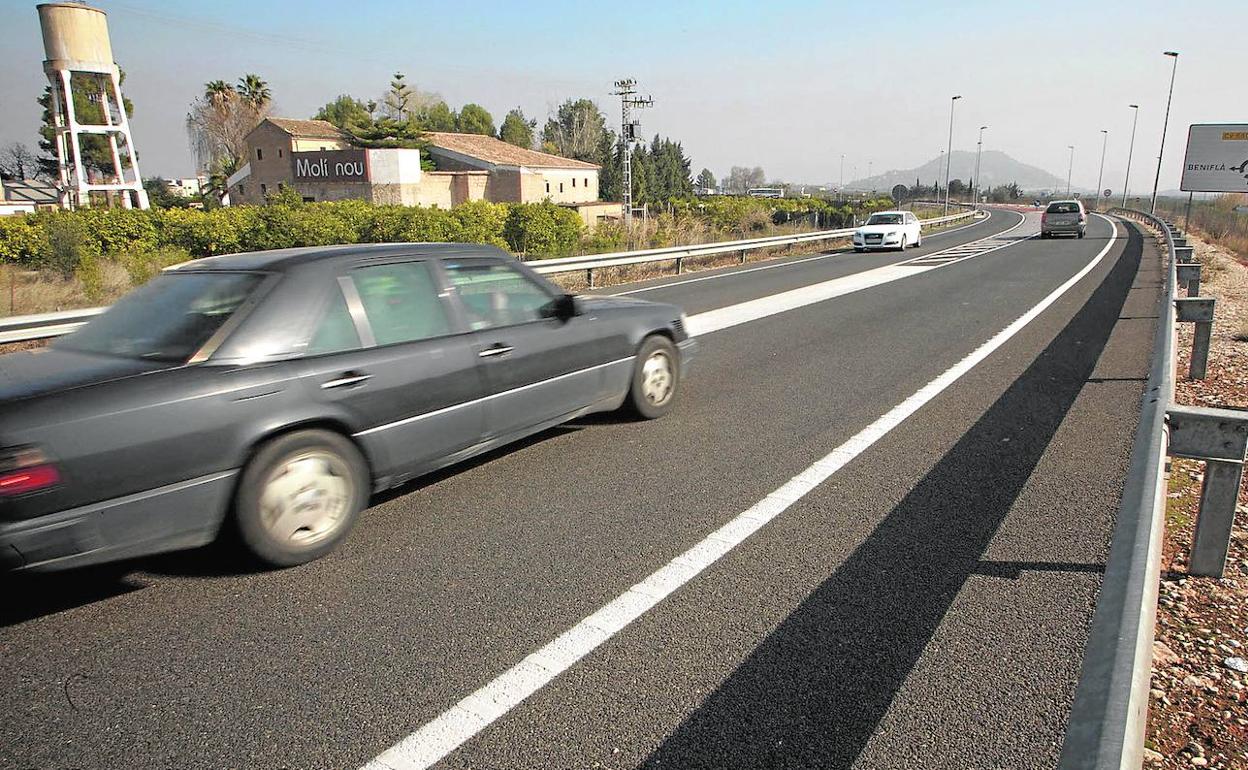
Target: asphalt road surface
pixel 924 605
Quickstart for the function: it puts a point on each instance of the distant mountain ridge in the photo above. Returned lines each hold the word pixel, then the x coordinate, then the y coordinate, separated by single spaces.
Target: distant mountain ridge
pixel 996 168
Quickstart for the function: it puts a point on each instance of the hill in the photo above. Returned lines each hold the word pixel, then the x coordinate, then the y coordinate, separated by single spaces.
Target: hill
pixel 995 168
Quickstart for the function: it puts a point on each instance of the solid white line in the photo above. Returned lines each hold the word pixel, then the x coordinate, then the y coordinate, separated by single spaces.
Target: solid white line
pixel 752 310
pixel 455 726
pixel 780 264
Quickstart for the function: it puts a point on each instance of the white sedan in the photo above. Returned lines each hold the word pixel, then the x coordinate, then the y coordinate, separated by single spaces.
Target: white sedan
pixel 889 230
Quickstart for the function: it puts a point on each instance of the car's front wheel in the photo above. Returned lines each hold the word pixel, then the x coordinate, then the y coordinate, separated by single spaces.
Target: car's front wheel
pixel 656 377
pixel 299 497
pixel 902 247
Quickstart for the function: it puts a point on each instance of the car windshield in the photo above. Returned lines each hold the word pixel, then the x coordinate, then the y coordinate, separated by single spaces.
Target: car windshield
pixel 167 319
pixel 1063 208
pixel 884 219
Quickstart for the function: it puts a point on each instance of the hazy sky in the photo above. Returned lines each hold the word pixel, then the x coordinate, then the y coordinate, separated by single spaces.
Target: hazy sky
pixel 788 85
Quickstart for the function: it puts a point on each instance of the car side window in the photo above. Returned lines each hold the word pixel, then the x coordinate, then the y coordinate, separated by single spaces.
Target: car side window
pixel 401 302
pixel 496 294
pixel 336 331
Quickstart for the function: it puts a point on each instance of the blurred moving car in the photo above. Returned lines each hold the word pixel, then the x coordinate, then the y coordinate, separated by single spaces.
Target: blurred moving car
pixel 274 392
pixel 889 230
pixel 1064 217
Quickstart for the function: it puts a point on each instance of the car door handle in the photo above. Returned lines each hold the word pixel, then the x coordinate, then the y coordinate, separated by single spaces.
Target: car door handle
pixel 498 349
pixel 346 380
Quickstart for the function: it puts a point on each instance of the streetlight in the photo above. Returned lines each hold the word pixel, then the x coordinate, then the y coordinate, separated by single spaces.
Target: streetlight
pixel 979 148
pixel 1130 150
pixel 1101 175
pixel 1165 124
pixel 1070 168
pixel 842 176
pixel 949 155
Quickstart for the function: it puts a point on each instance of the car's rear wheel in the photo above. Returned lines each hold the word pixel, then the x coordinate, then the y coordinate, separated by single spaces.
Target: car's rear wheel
pixel 299 497
pixel 656 377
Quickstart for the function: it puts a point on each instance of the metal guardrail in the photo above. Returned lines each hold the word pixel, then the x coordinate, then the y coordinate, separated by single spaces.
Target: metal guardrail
pixel 23 328
pixel 1107 719
pixel 678 254
pixel 42 326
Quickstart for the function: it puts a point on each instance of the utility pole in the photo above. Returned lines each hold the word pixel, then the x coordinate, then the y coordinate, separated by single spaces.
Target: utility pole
pixel 1152 209
pixel 627 91
pixel 1130 150
pixel 1101 175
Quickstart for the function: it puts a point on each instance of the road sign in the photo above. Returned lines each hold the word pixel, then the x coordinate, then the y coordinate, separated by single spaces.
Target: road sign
pixel 1108 192
pixel 1217 158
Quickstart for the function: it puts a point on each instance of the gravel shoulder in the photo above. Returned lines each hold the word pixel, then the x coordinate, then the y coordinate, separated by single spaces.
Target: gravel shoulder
pixel 1199 707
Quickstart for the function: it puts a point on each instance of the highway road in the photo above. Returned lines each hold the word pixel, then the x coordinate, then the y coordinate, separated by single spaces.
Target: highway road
pixel 870 536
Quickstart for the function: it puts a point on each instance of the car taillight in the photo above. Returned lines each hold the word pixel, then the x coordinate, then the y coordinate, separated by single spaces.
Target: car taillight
pixel 1044 217
pixel 26 469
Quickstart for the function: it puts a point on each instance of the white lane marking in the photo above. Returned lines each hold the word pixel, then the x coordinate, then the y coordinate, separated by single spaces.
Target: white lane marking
pixel 458 724
pixel 752 310
pixel 780 264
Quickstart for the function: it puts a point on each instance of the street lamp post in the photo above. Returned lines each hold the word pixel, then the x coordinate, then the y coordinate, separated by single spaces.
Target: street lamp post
pixel 1101 175
pixel 1070 168
pixel 1164 125
pixel 842 190
pixel 979 149
pixel 1130 150
pixel 949 154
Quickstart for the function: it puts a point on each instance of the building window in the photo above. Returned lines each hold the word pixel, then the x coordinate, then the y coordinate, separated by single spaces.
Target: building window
pixel 309 199
pixel 548 187
pixel 561 187
pixel 259 154
pixel 587 181
pixel 574 181
pixel 279 152
pixel 264 189
pixel 241 191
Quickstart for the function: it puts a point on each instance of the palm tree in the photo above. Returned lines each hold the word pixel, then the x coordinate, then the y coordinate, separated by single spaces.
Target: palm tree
pixel 254 90
pixel 217 91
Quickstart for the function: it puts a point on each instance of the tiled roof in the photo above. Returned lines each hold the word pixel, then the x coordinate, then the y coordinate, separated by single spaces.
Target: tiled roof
pixel 29 191
pixel 307 129
pixel 496 151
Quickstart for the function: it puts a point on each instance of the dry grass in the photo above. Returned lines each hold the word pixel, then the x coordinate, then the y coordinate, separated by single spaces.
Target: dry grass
pixel 26 291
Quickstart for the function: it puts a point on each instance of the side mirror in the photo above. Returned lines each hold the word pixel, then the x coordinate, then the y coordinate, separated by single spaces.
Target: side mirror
pixel 563 307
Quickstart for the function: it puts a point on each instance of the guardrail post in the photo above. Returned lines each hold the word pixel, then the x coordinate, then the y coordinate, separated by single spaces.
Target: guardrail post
pixel 1189 273
pixel 1179 242
pixel 680 265
pixel 1183 254
pixel 742 259
pixel 589 277
pixel 1198 310
pixel 1220 438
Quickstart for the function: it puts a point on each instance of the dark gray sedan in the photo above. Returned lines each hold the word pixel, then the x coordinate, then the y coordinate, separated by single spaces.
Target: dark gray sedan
pixel 273 392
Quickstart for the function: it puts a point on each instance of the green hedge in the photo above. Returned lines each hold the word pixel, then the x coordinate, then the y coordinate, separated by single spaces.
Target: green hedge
pixel 59 239
pixel 62 240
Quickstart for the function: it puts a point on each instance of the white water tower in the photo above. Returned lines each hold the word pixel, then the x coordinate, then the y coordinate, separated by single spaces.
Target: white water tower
pixel 80 58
